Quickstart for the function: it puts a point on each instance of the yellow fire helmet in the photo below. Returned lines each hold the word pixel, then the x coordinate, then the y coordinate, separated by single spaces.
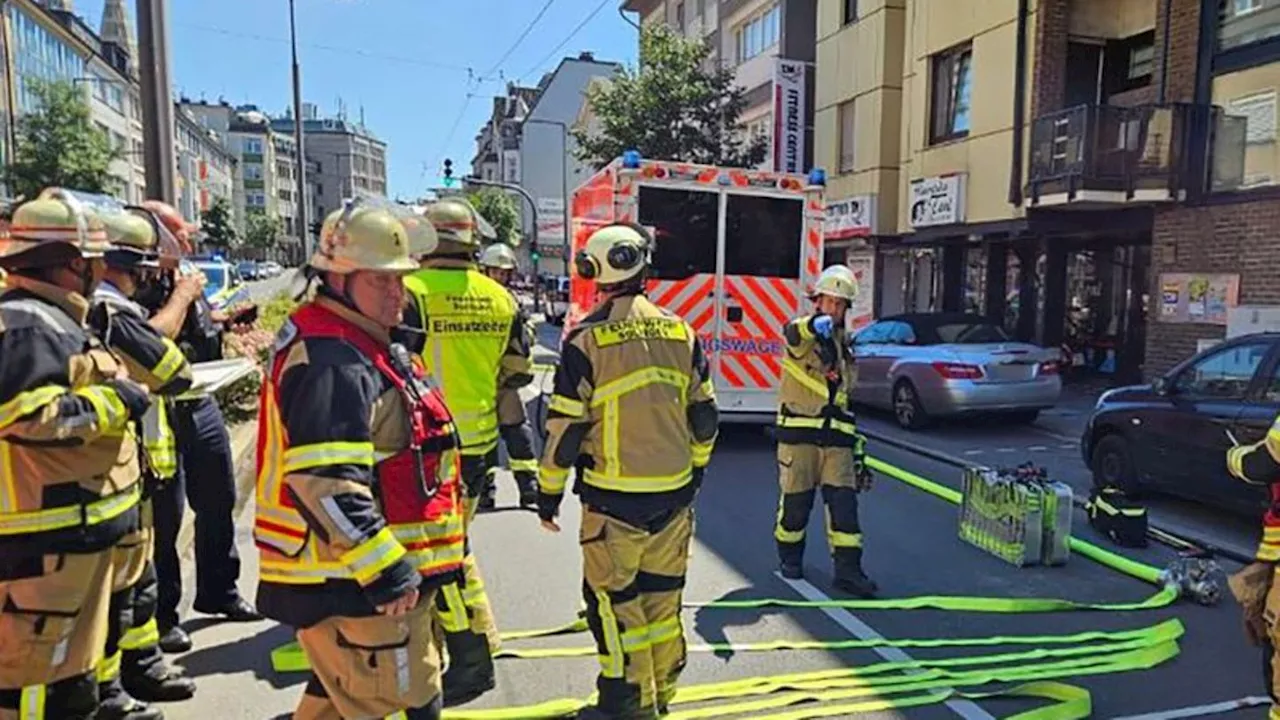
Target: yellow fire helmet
pixel 457 221
pixel 126 232
pixel 613 254
pixel 54 217
pixel 498 256
pixel 837 281
pixel 363 236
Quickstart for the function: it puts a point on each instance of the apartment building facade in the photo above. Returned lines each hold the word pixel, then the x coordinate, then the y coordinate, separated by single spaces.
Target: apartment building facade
pixel 206 169
pixel 751 36
pixel 345 158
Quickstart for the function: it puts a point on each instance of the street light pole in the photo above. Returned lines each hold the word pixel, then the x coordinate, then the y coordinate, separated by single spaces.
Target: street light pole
pixel 564 185
pixel 533 210
pixel 157 104
pixel 304 219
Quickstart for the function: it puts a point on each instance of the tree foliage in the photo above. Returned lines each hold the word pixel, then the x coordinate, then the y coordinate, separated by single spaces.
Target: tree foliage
pixel 499 208
pixel 672 107
pixel 59 145
pixel 218 225
pixel 262 230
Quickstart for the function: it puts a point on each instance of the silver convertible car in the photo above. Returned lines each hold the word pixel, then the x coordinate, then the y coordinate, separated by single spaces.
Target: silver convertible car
pixel 931 365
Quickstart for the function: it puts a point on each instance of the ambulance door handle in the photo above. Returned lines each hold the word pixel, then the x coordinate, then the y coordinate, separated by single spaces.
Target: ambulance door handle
pixel 733 314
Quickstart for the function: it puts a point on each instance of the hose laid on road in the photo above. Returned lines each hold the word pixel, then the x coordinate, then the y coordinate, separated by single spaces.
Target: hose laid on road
pixel 922 682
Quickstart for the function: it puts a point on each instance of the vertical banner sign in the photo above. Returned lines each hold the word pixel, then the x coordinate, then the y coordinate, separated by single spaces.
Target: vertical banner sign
pixel 788 115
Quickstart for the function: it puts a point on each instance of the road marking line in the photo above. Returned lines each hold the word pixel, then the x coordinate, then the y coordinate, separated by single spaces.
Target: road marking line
pixel 1006 450
pixel 974 452
pixel 1037 448
pixel 859 629
pixel 1054 435
pixel 1199 710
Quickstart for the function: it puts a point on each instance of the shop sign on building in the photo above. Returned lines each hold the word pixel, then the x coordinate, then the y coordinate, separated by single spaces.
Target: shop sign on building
pixel 788 115
pixel 849 218
pixel 937 200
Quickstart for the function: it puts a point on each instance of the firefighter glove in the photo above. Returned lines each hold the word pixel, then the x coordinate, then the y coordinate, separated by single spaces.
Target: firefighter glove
pixel 698 474
pixel 862 476
pixel 823 326
pixel 133 395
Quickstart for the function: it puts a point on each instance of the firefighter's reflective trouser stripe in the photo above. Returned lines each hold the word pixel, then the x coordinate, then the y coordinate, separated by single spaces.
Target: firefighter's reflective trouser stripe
pixel 465 620
pixel 372 667
pixel 54 624
pixel 801 470
pixel 633 584
pixel 130 559
pixel 1271 649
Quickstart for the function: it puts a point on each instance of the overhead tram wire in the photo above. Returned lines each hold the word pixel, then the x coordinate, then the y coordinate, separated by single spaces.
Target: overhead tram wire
pixel 528 29
pixel 564 42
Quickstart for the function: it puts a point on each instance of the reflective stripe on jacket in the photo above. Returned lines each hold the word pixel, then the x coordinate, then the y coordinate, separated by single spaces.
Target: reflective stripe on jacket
pixel 475 342
pixel 69 475
pixel 813 398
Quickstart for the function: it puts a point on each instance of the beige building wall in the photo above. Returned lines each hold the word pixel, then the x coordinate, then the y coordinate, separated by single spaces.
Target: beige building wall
pixel 860 67
pixel 1251 94
pixel 985 154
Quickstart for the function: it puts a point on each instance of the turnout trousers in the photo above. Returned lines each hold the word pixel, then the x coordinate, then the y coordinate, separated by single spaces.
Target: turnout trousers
pixel 373 667
pixel 517 437
pixel 464 617
pixel 802 469
pixel 53 628
pixel 132 646
pixel 1271 649
pixel 633 585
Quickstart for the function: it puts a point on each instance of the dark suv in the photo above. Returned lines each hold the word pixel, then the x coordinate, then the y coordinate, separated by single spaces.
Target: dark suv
pixel 1173 435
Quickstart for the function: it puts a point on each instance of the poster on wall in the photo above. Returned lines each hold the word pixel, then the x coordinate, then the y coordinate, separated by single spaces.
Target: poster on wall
pixel 1198 297
pixel 788 115
pixel 863 266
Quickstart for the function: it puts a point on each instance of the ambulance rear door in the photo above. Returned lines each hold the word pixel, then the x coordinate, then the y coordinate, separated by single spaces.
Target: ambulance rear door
pixel 685 221
pixel 761 259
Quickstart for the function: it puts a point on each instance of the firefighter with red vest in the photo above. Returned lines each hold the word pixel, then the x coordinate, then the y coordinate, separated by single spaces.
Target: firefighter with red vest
pixel 70 483
pixel 1255 586
pixel 818 440
pixel 358 500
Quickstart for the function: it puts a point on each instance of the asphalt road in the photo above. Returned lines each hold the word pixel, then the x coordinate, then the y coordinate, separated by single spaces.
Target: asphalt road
pixel 264 290
pixel 912 550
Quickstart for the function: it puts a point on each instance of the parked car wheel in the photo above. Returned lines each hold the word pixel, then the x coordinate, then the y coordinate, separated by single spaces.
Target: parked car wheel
pixel 1024 417
pixel 907 410
pixel 1112 465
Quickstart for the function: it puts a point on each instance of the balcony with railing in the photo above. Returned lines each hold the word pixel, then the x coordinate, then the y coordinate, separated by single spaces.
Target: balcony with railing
pixel 1100 156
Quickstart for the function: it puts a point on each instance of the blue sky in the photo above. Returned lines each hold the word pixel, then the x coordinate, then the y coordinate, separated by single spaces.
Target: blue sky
pixel 408 63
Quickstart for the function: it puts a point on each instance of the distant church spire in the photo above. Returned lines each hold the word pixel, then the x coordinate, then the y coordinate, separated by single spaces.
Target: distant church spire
pixel 115 26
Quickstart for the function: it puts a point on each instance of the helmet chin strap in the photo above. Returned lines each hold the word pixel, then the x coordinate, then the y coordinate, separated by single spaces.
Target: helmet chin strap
pixel 86 278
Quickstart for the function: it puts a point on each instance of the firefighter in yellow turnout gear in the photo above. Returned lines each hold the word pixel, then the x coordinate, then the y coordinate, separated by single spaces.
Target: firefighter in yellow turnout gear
pixel 357 510
pixel 472 339
pixel 133 669
pixel 499 263
pixel 1255 586
pixel 634 410
pixel 818 440
pixel 69 477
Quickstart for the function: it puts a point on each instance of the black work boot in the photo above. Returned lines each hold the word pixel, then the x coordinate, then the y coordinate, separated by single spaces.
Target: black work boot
pixel 160 683
pixel 115 703
pixel 791 571
pixel 528 485
pixel 470 672
pixel 849 575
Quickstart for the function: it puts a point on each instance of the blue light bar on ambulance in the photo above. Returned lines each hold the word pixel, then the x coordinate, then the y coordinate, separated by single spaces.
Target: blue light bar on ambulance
pixel 216 257
pixel 631 159
pixel 817 176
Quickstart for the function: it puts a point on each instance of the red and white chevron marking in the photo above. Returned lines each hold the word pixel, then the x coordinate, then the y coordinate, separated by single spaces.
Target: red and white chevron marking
pixel 692 299
pixel 750 350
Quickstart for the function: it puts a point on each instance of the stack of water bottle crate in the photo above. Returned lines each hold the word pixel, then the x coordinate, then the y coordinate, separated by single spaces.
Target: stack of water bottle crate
pixel 1017 514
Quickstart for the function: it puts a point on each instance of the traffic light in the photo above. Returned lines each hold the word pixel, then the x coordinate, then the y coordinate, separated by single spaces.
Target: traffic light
pixel 534 255
pixel 448 173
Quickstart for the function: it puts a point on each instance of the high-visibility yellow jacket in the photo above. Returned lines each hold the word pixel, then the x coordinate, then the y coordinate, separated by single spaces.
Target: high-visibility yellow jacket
pixel 813 398
pixel 633 407
pixel 151 359
pixel 473 342
pixel 69 473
